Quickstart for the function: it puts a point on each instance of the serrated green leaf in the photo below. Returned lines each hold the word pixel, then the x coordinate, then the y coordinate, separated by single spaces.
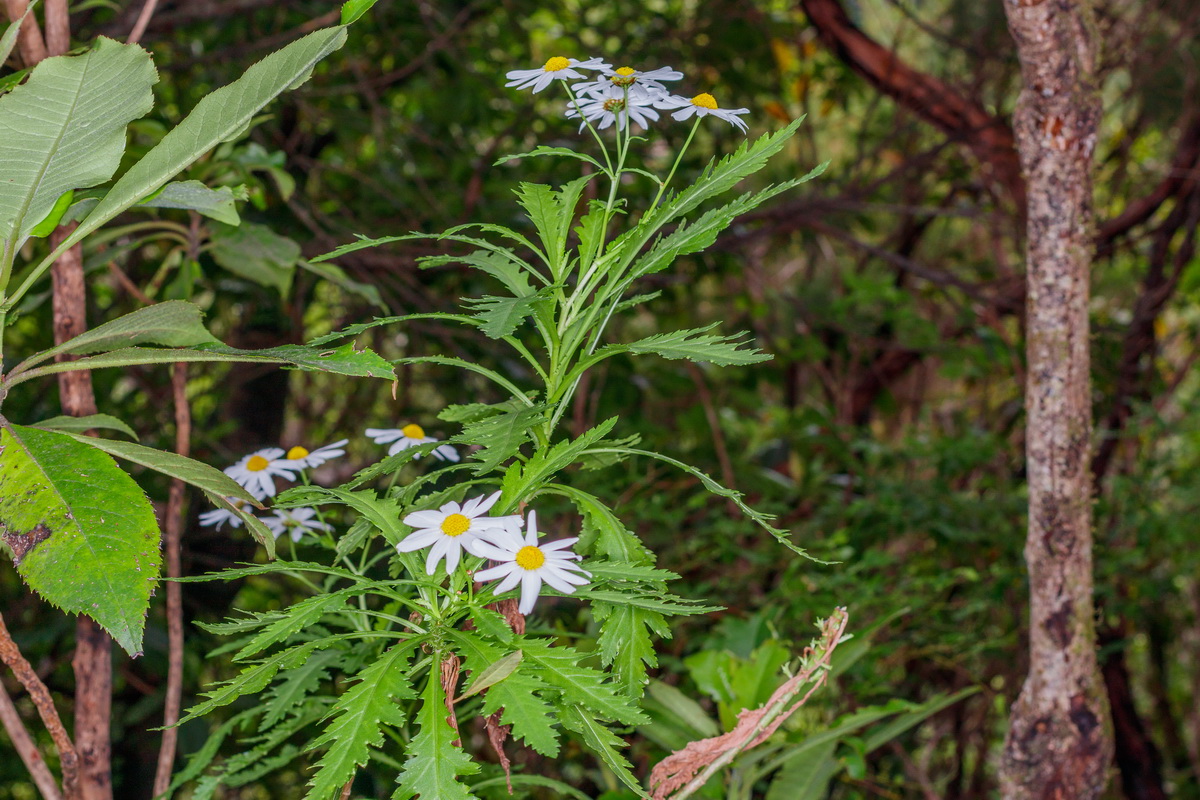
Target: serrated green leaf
pixel 434 762
pixel 697 345
pixel 218 204
pixel 64 128
pixel 252 680
pixel 542 150
pixel 498 317
pixel 83 533
pixel 353 10
pixel 291 620
pixel 560 667
pixel 257 253
pixel 81 424
pixel 362 327
pixel 500 265
pixel 523 698
pixel 500 436
pixel 543 464
pixel 296 684
pixel 360 715
pixel 626 643
pixel 603 533
pixel 603 742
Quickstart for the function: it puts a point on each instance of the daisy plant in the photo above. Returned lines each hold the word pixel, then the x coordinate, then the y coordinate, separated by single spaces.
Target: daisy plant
pixel 436 610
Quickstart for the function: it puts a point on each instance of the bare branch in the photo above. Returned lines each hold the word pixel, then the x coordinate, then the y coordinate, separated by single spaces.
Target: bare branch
pixel 26 749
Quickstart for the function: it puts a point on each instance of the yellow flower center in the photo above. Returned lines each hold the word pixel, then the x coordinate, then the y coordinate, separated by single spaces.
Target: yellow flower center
pixel 257 464
pixel 455 525
pixel 614 104
pixel 704 100
pixel 556 64
pixel 624 76
pixel 413 431
pixel 530 557
pixel 296 453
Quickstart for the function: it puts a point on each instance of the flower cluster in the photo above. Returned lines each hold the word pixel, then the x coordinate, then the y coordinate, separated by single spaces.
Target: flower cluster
pixel 454 529
pixel 258 471
pixel 621 96
pixel 449 532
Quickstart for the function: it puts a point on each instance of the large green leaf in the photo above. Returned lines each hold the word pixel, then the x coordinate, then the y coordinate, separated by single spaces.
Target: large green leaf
pixel 65 128
pixel 83 533
pixel 257 253
pixel 64 424
pixel 220 116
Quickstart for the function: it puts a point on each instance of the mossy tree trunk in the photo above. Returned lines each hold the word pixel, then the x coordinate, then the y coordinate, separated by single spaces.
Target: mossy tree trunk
pixel 1059 743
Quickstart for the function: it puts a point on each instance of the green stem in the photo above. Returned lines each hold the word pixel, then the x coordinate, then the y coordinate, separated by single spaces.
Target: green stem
pixel 675 166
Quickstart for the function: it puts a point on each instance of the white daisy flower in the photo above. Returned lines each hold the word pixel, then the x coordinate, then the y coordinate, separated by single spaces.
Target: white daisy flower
pixel 556 69
pixel 703 105
pixel 295 521
pixel 218 517
pixel 604 111
pixel 410 435
pixel 301 457
pixel 640 85
pixel 453 527
pixel 528 563
pixel 257 471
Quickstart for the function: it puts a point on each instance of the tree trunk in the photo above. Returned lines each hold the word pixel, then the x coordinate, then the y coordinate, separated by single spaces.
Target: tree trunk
pixel 1059 743
pixel 93 647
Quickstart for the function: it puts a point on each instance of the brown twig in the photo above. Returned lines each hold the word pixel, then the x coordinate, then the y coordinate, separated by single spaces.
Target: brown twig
pixel 26 749
pixel 24 672
pixel 135 36
pixel 173 530
pixel 686 771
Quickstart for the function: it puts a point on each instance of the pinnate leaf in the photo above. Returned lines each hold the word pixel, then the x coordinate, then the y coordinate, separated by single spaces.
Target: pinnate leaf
pixel 359 717
pixel 435 762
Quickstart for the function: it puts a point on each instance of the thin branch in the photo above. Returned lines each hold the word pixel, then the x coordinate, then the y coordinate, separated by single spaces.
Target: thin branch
pixel 135 36
pixel 26 749
pixel 173 530
pixel 24 672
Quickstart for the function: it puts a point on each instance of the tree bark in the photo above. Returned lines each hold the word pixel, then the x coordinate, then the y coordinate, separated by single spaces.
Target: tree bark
pixel 1059 743
pixel 93 647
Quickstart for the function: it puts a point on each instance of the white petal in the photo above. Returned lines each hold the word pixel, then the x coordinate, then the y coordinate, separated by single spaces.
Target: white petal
pixel 492 573
pixel 556 582
pixel 531 534
pixel 435 554
pixel 531 586
pixel 486 503
pixel 418 540
pixel 560 544
pixel 564 576
pixel 485 549
pixel 453 554
pixel 510 581
pixel 425 519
